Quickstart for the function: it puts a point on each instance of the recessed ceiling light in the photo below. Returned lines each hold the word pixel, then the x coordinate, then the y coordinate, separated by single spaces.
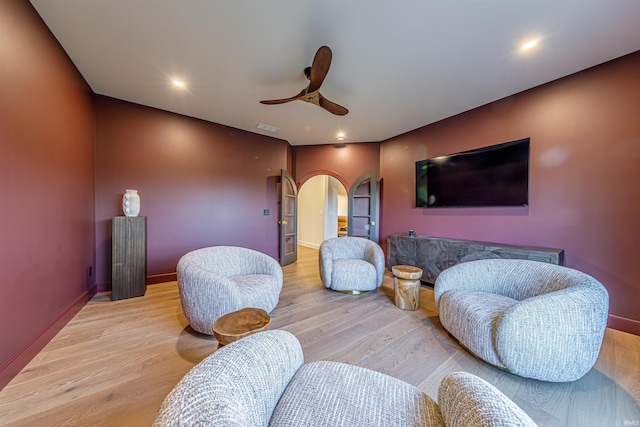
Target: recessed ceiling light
pixel 528 45
pixel 178 83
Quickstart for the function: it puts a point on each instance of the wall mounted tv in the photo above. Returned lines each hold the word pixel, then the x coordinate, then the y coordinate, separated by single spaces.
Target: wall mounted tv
pixel 497 175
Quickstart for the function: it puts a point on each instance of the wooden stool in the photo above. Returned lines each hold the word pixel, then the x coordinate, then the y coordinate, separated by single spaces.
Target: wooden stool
pixel 406 285
pixel 238 324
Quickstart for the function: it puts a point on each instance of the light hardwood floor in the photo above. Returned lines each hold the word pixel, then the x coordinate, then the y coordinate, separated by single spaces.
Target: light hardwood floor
pixel 114 363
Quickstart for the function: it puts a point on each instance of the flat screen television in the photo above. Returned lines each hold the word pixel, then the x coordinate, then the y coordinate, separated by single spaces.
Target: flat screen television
pixel 497 175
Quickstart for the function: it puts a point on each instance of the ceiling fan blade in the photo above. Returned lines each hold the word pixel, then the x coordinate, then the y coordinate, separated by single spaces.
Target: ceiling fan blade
pixel 332 107
pixel 319 68
pixel 282 101
pixel 316 75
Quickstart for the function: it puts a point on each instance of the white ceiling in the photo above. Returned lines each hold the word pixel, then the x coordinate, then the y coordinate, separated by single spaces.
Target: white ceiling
pixel 397 64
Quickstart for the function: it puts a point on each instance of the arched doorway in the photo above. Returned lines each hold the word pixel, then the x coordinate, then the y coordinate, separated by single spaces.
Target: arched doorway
pixel 322 210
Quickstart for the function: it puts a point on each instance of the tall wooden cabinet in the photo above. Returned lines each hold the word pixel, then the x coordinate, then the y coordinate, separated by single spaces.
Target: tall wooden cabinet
pixel 128 257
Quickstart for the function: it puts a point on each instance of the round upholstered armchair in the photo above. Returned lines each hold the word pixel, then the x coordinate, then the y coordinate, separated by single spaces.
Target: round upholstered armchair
pixel 351 264
pixel 533 319
pixel 217 280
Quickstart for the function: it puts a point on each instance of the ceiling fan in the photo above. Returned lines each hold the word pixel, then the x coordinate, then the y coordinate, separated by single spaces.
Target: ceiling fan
pixel 316 74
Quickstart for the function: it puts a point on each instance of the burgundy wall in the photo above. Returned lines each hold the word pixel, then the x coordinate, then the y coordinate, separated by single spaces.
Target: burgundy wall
pixel 347 163
pixel 46 187
pixel 200 184
pixel 584 177
pixel 205 184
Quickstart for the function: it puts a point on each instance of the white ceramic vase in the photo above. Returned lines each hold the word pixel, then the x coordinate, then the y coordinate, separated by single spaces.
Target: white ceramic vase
pixel 131 203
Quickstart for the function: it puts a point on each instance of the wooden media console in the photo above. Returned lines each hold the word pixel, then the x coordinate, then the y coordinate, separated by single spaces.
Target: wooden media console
pixel 434 254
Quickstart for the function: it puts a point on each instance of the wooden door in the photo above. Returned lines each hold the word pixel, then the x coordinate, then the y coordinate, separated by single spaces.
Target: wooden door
pixel 288 219
pixel 363 207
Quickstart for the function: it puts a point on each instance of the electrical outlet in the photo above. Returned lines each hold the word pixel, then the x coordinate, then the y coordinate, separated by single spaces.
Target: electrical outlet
pixel 265 212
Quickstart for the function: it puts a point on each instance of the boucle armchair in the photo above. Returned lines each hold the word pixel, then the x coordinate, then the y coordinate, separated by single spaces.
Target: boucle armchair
pixel 260 380
pixel 533 319
pixel 351 264
pixel 217 280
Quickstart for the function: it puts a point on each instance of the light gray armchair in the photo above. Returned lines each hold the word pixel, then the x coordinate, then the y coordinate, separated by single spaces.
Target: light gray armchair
pixel 533 319
pixel 351 264
pixel 217 280
pixel 260 380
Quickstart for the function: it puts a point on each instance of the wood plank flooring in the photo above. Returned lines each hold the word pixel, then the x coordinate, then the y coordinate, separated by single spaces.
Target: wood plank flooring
pixel 114 363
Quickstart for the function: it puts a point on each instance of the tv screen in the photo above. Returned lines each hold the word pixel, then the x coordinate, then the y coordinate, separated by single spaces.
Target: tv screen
pixel 497 175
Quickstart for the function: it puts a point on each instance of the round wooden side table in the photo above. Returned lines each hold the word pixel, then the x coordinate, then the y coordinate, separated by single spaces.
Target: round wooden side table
pixel 238 324
pixel 406 285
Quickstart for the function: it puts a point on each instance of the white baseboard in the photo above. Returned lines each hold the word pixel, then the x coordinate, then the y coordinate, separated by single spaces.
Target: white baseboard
pixel 308 244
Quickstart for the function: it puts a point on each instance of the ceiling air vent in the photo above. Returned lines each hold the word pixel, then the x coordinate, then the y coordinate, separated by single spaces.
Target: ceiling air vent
pixel 267 127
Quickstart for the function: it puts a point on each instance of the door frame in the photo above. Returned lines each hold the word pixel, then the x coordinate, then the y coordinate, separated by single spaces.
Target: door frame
pixel 374 233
